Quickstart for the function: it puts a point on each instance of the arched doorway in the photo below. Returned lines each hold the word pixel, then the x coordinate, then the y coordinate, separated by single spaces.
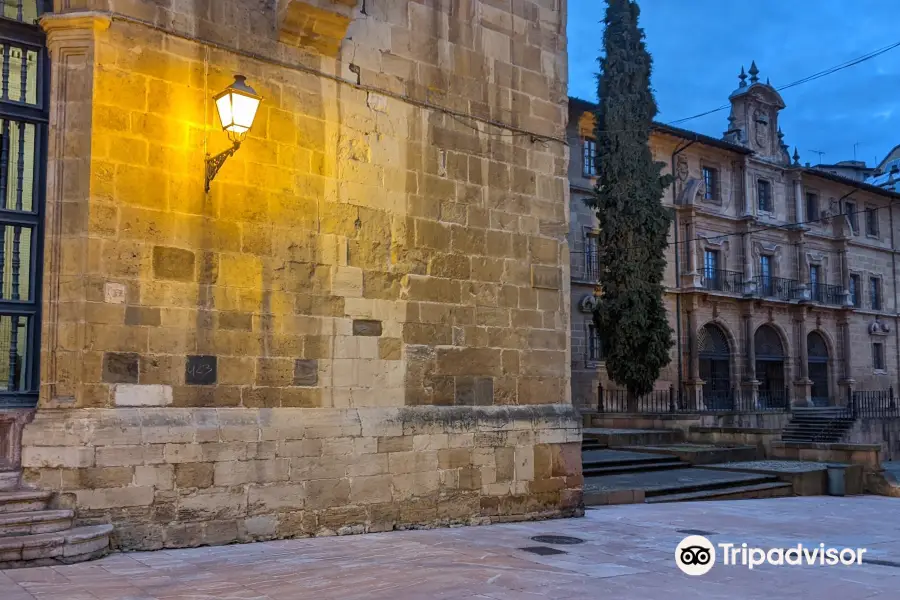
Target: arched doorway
pixel 817 362
pixel 770 366
pixel 714 353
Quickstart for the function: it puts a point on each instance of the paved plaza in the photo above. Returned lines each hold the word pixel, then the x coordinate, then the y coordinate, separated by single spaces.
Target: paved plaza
pixel 627 554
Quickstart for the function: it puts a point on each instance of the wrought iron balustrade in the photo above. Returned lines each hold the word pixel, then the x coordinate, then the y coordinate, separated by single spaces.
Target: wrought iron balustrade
pixel 778 288
pixel 832 295
pixel 719 280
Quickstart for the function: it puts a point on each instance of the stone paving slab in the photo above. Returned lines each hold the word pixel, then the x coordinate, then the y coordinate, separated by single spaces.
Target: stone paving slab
pixel 664 480
pixel 628 554
pixel 614 456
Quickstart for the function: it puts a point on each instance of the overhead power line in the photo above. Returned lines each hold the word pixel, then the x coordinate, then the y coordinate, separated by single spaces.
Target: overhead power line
pixel 824 73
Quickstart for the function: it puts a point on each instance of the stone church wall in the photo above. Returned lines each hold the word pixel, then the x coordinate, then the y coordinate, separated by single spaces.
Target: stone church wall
pixel 363 325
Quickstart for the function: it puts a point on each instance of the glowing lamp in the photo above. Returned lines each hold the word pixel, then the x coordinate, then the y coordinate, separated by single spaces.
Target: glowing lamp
pixel 237 106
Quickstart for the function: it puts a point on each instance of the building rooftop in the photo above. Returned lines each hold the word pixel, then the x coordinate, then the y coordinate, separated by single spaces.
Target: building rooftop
pixel 678 132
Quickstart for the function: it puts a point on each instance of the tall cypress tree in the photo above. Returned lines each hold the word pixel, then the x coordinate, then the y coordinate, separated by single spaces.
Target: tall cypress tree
pixel 634 226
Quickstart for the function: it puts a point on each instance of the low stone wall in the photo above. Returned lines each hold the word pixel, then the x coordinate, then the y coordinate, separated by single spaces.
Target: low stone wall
pixel 866 455
pixel 178 477
pixel 884 432
pixel 760 420
pixel 762 438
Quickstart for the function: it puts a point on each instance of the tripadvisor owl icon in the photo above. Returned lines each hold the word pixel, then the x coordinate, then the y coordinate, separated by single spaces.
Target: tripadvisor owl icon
pixel 695 555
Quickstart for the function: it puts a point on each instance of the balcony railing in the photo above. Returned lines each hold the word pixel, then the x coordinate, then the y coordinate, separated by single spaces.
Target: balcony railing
pixel 832 295
pixel 719 280
pixel 778 288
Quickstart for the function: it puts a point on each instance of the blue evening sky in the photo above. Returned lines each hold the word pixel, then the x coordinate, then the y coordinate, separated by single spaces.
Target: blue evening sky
pixel 698 47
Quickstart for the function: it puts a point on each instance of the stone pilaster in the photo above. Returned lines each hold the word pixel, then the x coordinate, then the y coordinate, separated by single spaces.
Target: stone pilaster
pixel 71 42
pixel 803 385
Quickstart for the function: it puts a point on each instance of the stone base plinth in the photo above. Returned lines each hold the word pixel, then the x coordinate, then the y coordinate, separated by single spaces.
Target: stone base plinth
pixel 179 477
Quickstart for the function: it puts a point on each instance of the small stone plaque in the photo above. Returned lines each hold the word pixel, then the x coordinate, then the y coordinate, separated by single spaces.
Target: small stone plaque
pixel 120 367
pixel 114 293
pixel 200 370
pixel 306 372
pixel 367 327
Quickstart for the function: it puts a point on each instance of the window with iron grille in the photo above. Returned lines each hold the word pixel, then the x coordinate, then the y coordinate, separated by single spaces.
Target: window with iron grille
pixel 854 290
pixel 878 356
pixel 711 183
pixel 871 221
pixel 590 158
pixel 812 207
pixel 875 293
pixel 595 345
pixel 764 195
pixel 850 211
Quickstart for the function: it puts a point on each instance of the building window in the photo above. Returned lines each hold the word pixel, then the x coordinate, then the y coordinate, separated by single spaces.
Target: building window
pixel 711 264
pixel 595 345
pixel 764 195
pixel 591 257
pixel 878 356
pixel 850 211
pixel 854 290
pixel 812 207
pixel 814 281
pixel 590 158
pixel 875 293
pixel 871 221
pixel 765 274
pixel 711 183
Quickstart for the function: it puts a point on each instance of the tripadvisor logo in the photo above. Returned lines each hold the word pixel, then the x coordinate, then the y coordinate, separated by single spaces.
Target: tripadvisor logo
pixel 696 555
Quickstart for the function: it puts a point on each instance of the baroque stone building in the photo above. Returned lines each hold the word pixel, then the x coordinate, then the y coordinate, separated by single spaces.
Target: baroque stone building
pixel 361 326
pixel 781 282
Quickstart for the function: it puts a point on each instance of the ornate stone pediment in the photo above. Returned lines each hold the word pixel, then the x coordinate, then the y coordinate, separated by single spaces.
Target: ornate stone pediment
pixel 316 24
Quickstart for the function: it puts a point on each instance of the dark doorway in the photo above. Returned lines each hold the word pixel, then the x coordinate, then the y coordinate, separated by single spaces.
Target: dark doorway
pixel 714 353
pixel 770 359
pixel 817 356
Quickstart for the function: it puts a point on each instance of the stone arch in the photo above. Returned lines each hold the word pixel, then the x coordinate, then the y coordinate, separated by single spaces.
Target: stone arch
pixel 820 366
pixel 715 353
pixel 772 358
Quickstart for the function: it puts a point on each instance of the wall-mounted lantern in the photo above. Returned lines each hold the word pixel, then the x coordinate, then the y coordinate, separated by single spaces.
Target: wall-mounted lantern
pixel 237 107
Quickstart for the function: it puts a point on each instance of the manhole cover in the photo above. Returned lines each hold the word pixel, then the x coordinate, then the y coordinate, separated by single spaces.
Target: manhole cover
pixel 881 563
pixel 557 540
pixel 696 532
pixel 542 550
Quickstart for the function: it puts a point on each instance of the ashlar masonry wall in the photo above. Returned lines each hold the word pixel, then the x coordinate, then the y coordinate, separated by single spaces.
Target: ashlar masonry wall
pixel 363 325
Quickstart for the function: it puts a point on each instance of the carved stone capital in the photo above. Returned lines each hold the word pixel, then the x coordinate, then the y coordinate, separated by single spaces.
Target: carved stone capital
pixel 73 27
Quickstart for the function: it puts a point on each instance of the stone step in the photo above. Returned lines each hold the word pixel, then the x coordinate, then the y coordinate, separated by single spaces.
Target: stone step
pixel 596 471
pixel 670 481
pixel 47 549
pixel 33 522
pixel 760 490
pixel 613 438
pixel 23 501
pixel 9 480
pixel 610 457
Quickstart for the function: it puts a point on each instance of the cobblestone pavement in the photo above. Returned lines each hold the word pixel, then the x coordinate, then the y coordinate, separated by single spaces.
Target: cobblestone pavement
pixel 628 554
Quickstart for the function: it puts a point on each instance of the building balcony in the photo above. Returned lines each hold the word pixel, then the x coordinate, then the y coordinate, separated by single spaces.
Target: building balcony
pixel 718 280
pixel 778 288
pixel 830 295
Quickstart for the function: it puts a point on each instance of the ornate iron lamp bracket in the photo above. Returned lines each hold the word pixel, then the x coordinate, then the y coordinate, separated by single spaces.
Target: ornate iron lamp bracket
pixel 214 163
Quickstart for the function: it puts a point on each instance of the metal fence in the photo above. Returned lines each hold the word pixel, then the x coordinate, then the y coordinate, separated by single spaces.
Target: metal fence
pixel 880 404
pixel 677 400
